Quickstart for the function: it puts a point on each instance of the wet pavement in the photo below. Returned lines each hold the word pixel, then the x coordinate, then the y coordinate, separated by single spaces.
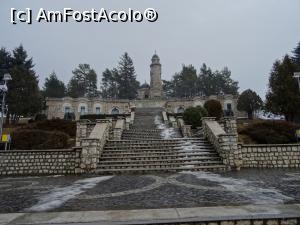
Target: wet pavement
pixel 180 190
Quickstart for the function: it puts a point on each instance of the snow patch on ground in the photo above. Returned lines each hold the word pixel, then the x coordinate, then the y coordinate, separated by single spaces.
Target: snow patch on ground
pixel 248 189
pixel 59 196
pixel 166 132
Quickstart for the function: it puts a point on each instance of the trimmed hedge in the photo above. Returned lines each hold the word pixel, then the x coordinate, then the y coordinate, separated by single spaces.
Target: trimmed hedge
pixel 39 139
pixel 271 132
pixel 65 126
pixel 193 115
pixel 214 108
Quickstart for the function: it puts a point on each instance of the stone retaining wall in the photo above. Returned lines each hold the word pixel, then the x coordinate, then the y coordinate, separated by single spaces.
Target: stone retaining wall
pixel 37 162
pixel 280 221
pixel 271 156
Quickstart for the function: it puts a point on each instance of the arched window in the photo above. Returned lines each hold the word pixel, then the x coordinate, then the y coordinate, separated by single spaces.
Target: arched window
pixel 82 110
pixel 115 111
pixel 180 109
pixel 98 110
pixel 67 109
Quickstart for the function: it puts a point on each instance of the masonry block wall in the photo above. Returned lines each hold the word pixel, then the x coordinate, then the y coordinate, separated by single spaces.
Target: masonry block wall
pixel 37 162
pixel 271 156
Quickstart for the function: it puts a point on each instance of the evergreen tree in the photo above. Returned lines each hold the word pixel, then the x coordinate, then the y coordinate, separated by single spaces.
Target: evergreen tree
pixel 109 86
pixel 250 102
pixel 283 96
pixel 184 83
pixel 168 88
pixel 5 62
pixel 206 81
pixel 53 87
pixel 215 83
pixel 126 79
pixel 296 56
pixel 24 97
pixel 83 83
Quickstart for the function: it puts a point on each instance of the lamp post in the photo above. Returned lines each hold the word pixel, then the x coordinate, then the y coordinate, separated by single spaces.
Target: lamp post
pixel 3 90
pixel 297 76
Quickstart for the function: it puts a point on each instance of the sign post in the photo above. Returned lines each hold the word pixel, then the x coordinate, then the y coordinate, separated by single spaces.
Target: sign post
pixel 298 134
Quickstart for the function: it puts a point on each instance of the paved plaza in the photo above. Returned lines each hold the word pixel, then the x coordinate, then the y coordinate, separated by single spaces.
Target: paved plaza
pixel 180 190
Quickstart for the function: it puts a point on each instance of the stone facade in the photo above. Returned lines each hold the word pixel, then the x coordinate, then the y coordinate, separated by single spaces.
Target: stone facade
pixel 271 156
pixel 37 162
pixel 57 107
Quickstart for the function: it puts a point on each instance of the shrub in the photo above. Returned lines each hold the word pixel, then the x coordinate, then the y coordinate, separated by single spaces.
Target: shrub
pixel 92 117
pixel 69 116
pixel 193 116
pixel 65 126
pixel 214 108
pixel 39 139
pixel 40 117
pixel 271 132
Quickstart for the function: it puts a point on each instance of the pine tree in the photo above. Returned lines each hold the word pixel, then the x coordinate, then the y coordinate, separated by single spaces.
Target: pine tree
pixel 83 83
pixel 250 102
pixel 283 95
pixel 296 56
pixel 127 83
pixel 109 86
pixel 24 97
pixel 5 61
pixel 53 87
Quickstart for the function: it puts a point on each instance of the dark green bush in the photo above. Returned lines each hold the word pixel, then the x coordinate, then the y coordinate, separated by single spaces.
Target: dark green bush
pixel 39 139
pixel 193 115
pixel 65 126
pixel 69 116
pixel 271 132
pixel 92 117
pixel 214 108
pixel 40 117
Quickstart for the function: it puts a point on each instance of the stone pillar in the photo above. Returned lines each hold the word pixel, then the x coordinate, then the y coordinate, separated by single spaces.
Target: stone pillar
pixel 187 131
pixel 229 125
pixel 90 155
pixel 173 121
pixel 81 130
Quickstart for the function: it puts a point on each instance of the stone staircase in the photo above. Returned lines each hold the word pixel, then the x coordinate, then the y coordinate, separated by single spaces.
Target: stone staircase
pixel 150 146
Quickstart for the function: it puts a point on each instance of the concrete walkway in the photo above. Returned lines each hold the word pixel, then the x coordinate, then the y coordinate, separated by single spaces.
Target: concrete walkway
pixel 152 216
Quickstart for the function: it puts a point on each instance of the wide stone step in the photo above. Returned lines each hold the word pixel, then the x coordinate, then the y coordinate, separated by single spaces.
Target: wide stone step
pixel 151 149
pixel 181 160
pixel 160 140
pixel 151 142
pixel 157 156
pixel 157 165
pixel 167 169
pixel 144 147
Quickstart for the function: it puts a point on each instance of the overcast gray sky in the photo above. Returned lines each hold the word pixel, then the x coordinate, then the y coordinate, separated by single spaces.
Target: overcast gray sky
pixel 247 36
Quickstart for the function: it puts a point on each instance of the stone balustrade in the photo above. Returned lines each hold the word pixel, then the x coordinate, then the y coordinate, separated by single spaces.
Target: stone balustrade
pixel 132 115
pixel 165 117
pixel 127 123
pixel 92 147
pixel 118 129
pixel 173 122
pixel 224 143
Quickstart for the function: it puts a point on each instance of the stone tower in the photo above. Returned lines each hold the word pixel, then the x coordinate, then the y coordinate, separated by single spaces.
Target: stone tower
pixel 156 90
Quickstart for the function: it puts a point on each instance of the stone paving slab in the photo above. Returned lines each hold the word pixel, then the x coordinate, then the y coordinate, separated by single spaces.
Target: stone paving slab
pixel 129 192
pixel 152 216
